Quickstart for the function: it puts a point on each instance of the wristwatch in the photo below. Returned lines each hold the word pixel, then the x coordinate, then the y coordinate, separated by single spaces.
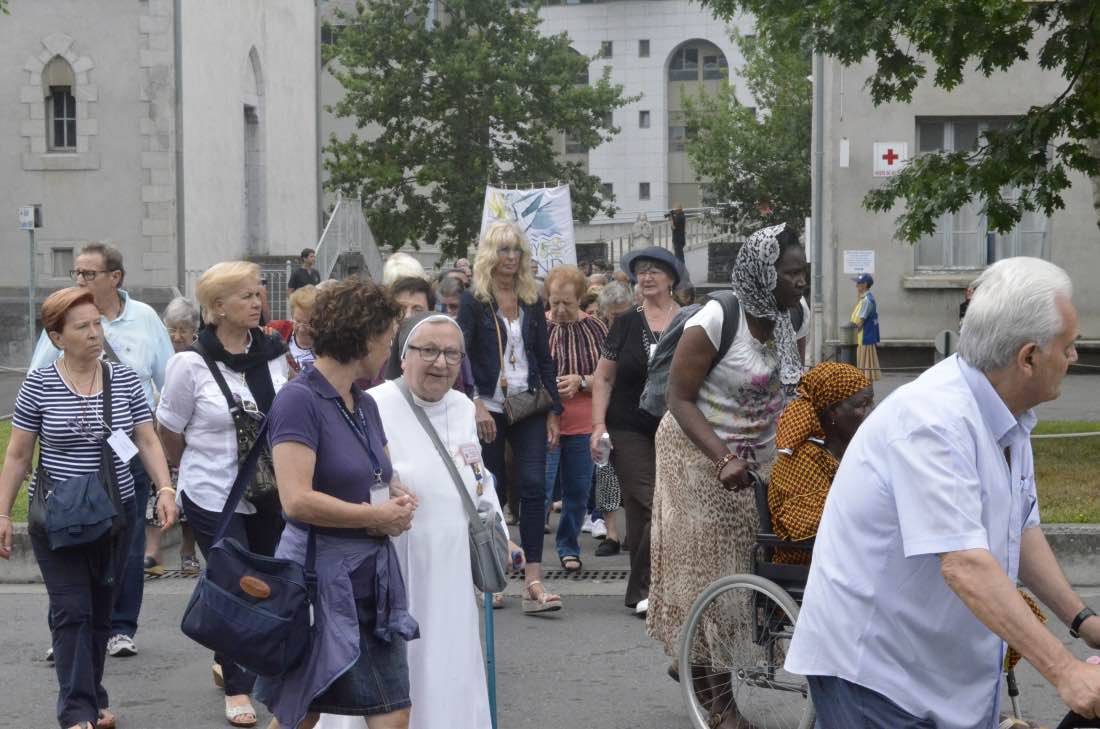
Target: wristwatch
pixel 1082 616
pixel 584 382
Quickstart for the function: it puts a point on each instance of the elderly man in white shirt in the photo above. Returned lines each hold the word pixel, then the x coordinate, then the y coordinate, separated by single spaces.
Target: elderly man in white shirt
pixel 932 519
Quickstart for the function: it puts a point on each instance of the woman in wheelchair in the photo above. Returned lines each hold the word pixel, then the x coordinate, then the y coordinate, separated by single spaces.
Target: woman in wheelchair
pixel 813 432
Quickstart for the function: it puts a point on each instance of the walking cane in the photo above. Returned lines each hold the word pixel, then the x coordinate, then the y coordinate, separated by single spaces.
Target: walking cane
pixel 490 658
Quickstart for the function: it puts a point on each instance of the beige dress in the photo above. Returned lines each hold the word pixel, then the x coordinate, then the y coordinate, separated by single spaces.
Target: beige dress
pixel 701 531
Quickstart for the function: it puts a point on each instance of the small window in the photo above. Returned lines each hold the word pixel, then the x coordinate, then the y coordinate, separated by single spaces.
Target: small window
pixel 606 49
pixel 643 48
pixel 330 34
pixel 61 262
pixel 714 67
pixel 929 136
pixel 643 119
pixel 61 116
pixel 676 137
pixel 608 120
pixel 608 189
pixel 684 65
pixel 574 146
pixel 643 190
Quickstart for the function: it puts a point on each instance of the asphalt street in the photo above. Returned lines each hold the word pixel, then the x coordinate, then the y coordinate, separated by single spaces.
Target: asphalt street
pixel 589 665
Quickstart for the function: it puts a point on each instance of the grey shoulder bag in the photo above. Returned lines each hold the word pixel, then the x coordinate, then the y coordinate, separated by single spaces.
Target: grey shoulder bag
pixel 488 543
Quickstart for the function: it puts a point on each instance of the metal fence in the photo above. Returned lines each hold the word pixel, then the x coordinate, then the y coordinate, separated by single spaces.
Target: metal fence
pixel 347 231
pixel 697 231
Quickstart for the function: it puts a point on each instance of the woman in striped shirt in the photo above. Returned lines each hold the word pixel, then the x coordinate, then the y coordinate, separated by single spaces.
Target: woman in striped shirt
pixel 61 406
pixel 575 341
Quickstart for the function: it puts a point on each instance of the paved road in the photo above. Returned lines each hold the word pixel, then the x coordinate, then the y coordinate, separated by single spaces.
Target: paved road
pixel 589 665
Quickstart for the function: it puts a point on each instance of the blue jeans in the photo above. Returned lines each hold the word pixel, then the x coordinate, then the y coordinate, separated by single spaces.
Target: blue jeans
pixel 574 460
pixel 528 440
pixel 842 704
pixel 124 618
pixel 80 620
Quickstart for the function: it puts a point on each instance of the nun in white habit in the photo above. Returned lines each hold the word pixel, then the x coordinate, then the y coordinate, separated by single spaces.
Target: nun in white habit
pixel 446 666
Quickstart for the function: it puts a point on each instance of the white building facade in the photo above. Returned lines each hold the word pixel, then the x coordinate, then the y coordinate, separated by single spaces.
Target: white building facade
pixel 184 133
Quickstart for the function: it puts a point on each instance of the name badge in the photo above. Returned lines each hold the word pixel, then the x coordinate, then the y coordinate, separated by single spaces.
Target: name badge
pixel 123 447
pixel 470 453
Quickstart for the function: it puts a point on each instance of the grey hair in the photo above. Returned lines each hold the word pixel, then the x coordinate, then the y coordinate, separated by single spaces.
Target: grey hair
pixel 181 310
pixel 1014 304
pixel 613 296
pixel 450 286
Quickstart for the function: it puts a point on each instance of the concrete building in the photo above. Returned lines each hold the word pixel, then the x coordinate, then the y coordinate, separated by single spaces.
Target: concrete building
pixel 658 49
pixel 184 133
pixel 919 287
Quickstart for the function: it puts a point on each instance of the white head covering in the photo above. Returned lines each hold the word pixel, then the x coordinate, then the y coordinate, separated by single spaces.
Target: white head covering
pixel 432 319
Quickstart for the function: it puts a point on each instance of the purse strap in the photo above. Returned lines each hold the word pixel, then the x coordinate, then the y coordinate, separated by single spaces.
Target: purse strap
pixel 234 408
pixel 244 475
pixel 467 502
pixel 500 346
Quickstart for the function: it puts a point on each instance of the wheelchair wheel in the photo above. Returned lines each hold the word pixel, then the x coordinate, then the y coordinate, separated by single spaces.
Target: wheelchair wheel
pixel 732 649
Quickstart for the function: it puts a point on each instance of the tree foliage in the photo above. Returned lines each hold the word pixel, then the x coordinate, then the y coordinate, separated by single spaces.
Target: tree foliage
pixel 480 96
pixel 1023 167
pixel 756 162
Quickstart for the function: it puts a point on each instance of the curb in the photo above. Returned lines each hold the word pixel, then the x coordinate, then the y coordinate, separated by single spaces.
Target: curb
pixel 1076 546
pixel 23 568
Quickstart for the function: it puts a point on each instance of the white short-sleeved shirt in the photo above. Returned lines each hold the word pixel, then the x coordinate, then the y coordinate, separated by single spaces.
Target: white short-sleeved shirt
pixel 926 474
pixel 742 396
pixel 193 404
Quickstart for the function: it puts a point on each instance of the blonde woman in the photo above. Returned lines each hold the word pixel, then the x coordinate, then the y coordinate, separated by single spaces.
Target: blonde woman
pixel 504 325
pixel 296 331
pixel 199 434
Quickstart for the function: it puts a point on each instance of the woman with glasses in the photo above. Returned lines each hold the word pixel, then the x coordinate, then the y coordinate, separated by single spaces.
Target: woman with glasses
pixel 297 331
pixel 504 326
pixel 61 406
pixel 181 319
pixel 200 435
pixel 617 389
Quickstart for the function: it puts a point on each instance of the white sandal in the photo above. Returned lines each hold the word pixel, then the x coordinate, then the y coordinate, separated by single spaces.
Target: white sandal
pixel 232 713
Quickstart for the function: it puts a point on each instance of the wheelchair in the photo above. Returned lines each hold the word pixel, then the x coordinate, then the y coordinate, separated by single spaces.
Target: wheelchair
pixel 717 671
pixel 746 668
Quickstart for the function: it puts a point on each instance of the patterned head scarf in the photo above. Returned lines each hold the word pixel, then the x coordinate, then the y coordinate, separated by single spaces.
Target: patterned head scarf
pixel 826 384
pixel 754 282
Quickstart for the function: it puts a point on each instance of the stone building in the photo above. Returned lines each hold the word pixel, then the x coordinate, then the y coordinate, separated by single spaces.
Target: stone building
pixel 183 132
pixel 919 287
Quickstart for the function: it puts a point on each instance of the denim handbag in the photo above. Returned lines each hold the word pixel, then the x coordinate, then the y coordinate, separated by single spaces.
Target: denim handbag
pixel 254 609
pixel 83 509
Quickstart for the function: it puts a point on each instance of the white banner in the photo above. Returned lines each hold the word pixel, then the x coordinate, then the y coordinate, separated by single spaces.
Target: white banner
pixel 544 214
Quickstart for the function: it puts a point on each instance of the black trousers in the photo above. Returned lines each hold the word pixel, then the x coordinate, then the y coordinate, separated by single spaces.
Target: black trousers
pixel 635 460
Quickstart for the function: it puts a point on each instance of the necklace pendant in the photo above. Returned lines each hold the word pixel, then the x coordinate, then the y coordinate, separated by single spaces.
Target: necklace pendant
pixel 480 488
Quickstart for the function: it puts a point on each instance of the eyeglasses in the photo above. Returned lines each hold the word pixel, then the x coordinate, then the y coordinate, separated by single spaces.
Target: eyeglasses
pixel 78 273
pixel 509 250
pixel 181 332
pixel 431 354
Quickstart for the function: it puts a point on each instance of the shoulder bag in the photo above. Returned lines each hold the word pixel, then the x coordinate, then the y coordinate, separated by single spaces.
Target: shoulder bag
pixel 488 543
pixel 261 490
pixel 83 509
pixel 254 609
pixel 526 403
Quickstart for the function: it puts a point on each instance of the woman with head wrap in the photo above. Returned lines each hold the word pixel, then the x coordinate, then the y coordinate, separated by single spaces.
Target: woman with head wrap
pixel 813 433
pixel 720 426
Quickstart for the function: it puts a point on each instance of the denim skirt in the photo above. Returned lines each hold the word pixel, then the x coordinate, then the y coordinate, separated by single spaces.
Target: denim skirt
pixel 378 683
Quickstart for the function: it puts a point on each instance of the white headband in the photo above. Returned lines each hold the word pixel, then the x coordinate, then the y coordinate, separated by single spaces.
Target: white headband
pixel 433 319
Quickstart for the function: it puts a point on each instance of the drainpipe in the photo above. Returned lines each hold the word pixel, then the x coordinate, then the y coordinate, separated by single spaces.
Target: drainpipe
pixel 317 111
pixel 817 210
pixel 181 237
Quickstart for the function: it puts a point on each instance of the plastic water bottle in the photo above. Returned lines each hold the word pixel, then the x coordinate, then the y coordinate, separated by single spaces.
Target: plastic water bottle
pixel 603 450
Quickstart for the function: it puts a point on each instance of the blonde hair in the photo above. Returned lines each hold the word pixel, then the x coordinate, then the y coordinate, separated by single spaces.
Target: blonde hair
pixel 502 234
pixel 304 299
pixel 401 265
pixel 219 281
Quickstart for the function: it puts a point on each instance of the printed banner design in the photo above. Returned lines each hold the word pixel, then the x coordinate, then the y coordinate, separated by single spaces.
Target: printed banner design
pixel 544 214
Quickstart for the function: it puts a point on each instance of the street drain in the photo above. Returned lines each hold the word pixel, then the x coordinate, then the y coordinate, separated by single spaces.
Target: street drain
pixel 582 576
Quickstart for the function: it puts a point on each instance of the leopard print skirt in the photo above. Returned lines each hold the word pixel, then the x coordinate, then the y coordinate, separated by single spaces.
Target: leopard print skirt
pixel 699 533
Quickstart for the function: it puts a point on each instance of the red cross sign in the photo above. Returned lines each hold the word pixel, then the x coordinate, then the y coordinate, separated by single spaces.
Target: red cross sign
pixel 889 158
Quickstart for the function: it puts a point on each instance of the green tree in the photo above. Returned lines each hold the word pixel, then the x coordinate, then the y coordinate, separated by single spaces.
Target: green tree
pixel 480 96
pixel 756 160
pixel 1023 167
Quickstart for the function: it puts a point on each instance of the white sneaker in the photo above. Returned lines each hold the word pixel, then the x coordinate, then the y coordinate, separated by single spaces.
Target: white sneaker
pixel 599 529
pixel 121 646
pixel 642 608
pixel 586 528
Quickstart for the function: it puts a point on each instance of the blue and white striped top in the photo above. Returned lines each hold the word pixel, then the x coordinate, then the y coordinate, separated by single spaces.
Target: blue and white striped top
pixel 70 426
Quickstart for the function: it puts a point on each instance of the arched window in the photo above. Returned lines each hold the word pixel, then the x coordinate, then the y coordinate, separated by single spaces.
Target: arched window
pixel 58 86
pixel 698 61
